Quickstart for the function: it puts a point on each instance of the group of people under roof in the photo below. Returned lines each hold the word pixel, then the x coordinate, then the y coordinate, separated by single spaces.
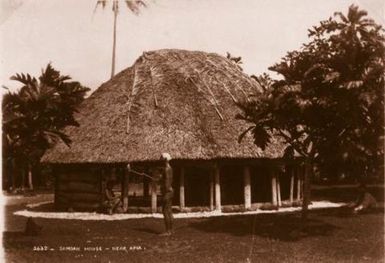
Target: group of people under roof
pixel 113 203
pixel 364 202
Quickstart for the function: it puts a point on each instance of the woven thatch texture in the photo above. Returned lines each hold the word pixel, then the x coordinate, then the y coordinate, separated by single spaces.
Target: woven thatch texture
pixel 175 101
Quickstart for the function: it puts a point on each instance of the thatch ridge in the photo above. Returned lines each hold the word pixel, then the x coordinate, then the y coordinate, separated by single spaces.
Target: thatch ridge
pixel 175 101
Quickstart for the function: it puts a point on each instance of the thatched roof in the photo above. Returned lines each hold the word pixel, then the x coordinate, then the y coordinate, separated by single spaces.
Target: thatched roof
pixel 175 101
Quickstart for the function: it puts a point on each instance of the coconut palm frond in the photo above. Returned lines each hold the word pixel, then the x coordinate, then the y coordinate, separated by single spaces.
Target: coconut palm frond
pixel 25 79
pixel 103 3
pixel 342 17
pixel 355 15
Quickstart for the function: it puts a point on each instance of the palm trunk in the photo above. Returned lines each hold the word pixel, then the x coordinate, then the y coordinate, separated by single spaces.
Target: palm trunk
pixel 308 170
pixel 115 9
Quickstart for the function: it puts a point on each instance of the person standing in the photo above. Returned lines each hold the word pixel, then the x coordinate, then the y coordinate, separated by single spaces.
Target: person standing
pixel 167 193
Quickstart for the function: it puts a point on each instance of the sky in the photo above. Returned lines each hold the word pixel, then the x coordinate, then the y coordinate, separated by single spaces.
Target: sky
pixel 78 41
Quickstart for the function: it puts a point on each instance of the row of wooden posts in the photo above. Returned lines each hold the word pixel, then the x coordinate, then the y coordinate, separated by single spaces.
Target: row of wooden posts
pixel 215 189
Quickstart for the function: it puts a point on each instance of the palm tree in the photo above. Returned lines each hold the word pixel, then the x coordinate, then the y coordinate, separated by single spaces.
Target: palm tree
pixel 34 116
pixel 134 6
pixel 355 22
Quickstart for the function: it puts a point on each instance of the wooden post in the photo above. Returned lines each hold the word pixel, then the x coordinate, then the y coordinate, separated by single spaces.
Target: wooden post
pixel 14 173
pixel 217 188
pixel 279 201
pixel 273 188
pixel 30 183
pixel 211 190
pixel 146 187
pixel 291 185
pixel 247 187
pixel 23 173
pixel 181 189
pixel 56 177
pixel 153 197
pixel 102 184
pixel 113 174
pixel 299 183
pixel 125 185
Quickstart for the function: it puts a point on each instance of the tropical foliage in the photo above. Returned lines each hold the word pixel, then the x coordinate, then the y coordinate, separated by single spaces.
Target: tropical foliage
pixel 34 116
pixel 329 105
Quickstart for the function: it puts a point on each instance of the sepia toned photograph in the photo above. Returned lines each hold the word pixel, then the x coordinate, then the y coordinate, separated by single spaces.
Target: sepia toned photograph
pixel 192 130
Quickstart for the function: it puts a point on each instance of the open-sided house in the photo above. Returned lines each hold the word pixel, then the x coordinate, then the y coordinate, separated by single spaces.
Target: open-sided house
pixel 179 102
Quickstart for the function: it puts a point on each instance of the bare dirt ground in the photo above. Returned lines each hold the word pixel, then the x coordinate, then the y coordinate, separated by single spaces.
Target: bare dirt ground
pixel 332 235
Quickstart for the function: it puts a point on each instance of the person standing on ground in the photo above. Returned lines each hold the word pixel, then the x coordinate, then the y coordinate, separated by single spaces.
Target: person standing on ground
pixel 167 193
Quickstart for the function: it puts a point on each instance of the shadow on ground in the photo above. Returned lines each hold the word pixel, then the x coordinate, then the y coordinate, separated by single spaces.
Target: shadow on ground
pixel 287 227
pixel 16 239
pixel 346 212
pixel 147 230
